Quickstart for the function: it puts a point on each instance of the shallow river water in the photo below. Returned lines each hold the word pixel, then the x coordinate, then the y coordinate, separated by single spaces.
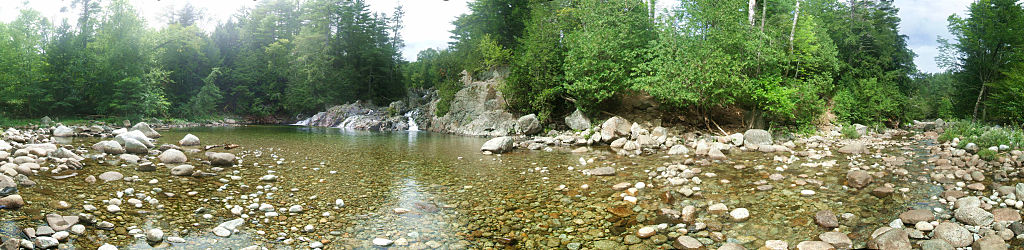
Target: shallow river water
pixel 451 196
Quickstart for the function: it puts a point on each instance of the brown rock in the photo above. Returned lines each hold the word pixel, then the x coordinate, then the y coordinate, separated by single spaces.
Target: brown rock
pixel 892 239
pixel 826 219
pixel 911 217
pixel 1005 214
pixel 991 242
pixel 836 239
pixel 687 243
pixel 882 192
pixel 814 245
pixel 858 178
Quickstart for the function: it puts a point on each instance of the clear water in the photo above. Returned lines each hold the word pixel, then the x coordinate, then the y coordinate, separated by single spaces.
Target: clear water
pixel 456 196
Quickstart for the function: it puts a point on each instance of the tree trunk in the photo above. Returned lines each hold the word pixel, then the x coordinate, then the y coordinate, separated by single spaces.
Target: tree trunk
pixel 764 11
pixel 751 11
pixel 792 31
pixel 978 103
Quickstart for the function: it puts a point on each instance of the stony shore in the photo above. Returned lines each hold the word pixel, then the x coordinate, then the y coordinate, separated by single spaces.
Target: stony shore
pixel 684 191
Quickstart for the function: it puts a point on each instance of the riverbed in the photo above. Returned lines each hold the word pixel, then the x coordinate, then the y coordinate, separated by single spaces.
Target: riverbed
pixel 425 190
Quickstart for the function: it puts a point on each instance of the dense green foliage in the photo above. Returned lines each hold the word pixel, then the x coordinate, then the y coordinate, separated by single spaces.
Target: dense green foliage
pixel 276 59
pixel 776 63
pixel 984 57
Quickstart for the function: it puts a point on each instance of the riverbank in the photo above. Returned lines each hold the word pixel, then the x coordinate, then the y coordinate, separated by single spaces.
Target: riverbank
pixel 319 187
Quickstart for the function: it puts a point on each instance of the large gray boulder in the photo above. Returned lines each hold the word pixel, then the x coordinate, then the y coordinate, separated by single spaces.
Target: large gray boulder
pixel 577 121
pixel 136 135
pixel 615 127
pixel 222 159
pixel 146 130
pixel 172 156
pixel 528 124
pixel 134 146
pixel 109 147
pixel 4 146
pixel 189 140
pixel 498 145
pixel 757 137
pixel 63 131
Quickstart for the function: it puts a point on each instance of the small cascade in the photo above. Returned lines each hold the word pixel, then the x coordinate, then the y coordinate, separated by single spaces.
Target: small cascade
pixel 412 122
pixel 303 122
pixel 348 121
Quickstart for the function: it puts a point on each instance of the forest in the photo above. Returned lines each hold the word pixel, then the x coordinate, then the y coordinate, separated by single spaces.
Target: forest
pixel 791 63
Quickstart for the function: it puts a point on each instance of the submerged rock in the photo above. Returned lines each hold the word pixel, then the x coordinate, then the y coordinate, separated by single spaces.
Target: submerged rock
pixel 222 159
pixel 602 171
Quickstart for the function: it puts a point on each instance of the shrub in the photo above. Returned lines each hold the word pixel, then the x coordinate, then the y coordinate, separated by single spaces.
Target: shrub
pixel 983 136
pixel 988 155
pixel 849 132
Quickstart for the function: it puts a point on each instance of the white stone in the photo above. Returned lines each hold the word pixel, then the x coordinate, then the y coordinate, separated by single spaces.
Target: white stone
pixel 382 242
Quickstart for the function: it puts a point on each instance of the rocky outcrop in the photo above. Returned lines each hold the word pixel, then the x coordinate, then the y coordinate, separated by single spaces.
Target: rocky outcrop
pixel 360 116
pixel 477 109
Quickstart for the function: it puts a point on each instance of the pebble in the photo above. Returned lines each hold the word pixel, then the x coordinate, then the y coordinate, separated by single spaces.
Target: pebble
pixel 382 242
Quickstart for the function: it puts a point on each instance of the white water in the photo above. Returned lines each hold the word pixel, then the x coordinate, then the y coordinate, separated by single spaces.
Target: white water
pixel 348 120
pixel 303 122
pixel 412 123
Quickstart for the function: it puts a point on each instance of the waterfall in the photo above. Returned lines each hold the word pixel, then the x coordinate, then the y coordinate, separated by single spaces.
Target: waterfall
pixel 303 122
pixel 412 122
pixel 348 120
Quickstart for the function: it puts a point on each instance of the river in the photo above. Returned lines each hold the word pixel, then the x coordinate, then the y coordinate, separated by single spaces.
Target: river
pixel 423 190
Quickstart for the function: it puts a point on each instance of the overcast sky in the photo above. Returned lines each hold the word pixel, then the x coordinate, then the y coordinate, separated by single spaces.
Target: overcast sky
pixel 427 22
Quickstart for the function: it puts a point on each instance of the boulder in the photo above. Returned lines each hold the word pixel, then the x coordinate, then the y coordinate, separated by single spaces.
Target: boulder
pixel 858 179
pixel 991 242
pixel 894 239
pixel 63 131
pixel 678 150
pixel 836 239
pixel 134 146
pixel 222 159
pixel 183 170
pixel 615 127
pixel 146 130
pixel 138 136
pixel 109 147
pixel 528 125
pixel 912 217
pixel 46 121
pixel 757 137
pixel 189 140
pixel 577 121
pixel 13 201
pixel 63 153
pixel 974 216
pixel 498 145
pixel 826 219
pixel 172 156
pixel 854 148
pixel 861 129
pixel 954 234
pixel 687 243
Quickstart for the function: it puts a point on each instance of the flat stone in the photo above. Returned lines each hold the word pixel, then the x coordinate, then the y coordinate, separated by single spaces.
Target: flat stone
pixel 1005 214
pixel 602 171
pixel 814 245
pixel 826 219
pixel 956 235
pixel 836 239
pixel 974 216
pixel 111 176
pixel 912 217
pixel 687 243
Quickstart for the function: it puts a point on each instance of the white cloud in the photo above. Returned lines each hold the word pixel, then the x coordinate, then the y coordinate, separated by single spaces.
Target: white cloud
pixel 925 20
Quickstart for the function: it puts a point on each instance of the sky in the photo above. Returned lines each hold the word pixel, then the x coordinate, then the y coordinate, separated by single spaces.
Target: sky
pixel 427 22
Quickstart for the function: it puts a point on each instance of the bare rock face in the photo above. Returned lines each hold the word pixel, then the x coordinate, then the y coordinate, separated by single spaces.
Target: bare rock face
pixel 478 109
